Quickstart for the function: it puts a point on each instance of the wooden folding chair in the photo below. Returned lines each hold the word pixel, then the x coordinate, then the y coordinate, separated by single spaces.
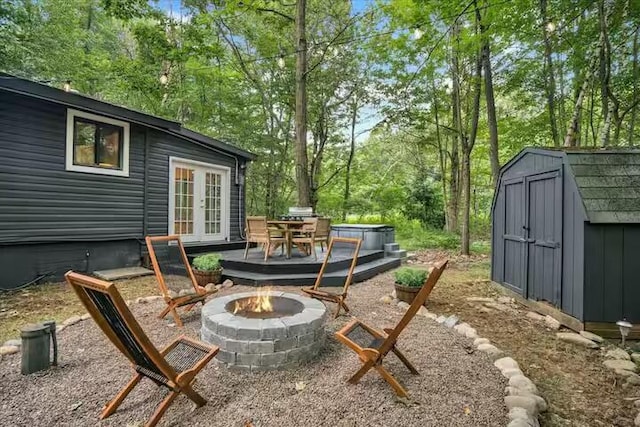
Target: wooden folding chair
pixel 174 276
pixel 373 345
pixel 325 295
pixel 174 367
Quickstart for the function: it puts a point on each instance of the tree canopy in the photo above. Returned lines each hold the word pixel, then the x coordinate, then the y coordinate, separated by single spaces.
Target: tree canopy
pixel 411 105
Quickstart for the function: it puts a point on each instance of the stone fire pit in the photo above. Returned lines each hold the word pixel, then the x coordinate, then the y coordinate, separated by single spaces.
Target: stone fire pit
pixel 291 333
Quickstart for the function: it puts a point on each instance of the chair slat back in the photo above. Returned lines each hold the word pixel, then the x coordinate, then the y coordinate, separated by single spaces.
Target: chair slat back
pixel 418 302
pixel 323 227
pixel 171 266
pixel 106 306
pixel 350 242
pixel 310 225
pixel 256 226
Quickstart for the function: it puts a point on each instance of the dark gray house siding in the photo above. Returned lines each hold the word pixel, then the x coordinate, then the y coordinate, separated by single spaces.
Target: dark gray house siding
pixel 42 202
pixel 599 216
pixel 53 220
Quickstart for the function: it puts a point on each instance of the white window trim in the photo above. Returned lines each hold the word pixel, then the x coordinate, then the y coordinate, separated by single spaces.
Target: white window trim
pixel 71 115
pixel 226 227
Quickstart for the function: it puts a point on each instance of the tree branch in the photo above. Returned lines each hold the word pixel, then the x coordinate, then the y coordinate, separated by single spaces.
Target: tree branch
pixel 283 15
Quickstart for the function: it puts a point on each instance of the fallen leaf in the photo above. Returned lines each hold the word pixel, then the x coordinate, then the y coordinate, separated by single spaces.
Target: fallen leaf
pixel 467 411
pixel 300 386
pixel 76 406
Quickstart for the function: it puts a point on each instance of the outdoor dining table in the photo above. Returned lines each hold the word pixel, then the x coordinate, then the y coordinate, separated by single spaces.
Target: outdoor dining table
pixel 287 227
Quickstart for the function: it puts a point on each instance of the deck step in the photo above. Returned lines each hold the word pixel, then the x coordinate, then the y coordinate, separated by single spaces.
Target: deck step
pixel 335 278
pixel 123 273
pixel 400 253
pixel 390 247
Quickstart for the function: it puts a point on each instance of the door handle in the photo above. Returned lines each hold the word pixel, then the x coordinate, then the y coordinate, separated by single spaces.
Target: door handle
pixel 524 227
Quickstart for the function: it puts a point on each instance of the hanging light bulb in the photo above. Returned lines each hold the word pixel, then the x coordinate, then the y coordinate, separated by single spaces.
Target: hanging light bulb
pixel 280 61
pixel 164 79
pixel 67 86
pixel 418 33
pixel 550 27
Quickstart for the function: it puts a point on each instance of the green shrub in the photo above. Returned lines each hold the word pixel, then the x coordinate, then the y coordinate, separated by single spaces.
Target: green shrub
pixel 207 262
pixel 412 277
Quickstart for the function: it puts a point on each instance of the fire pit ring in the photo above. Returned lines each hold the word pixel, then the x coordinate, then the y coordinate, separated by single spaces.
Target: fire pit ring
pixel 290 335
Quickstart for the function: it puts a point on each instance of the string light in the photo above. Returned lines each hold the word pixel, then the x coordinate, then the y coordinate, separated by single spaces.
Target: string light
pixel 550 27
pixel 280 60
pixel 417 33
pixel 67 86
pixel 164 79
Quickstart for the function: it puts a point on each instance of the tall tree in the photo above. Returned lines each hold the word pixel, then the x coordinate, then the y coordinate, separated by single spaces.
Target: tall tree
pixel 549 75
pixel 302 167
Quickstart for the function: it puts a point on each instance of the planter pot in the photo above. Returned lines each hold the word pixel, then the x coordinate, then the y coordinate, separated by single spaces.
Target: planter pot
pixel 203 278
pixel 406 293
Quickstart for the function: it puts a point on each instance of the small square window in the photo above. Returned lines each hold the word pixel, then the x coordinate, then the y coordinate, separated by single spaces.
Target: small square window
pixel 97 144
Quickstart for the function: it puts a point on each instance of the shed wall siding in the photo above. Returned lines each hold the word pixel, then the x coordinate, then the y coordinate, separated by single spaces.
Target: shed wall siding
pixel 42 202
pixel 611 272
pixel 531 163
pixel 572 249
pixel 161 147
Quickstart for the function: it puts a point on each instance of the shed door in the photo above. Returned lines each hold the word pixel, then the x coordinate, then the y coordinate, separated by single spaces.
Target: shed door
pixel 544 236
pixel 515 244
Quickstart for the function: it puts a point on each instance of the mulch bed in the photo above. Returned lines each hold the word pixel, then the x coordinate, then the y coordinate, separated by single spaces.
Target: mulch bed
pixel 455 388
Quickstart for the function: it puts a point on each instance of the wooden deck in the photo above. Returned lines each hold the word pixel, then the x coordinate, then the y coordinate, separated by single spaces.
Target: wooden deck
pixel 300 270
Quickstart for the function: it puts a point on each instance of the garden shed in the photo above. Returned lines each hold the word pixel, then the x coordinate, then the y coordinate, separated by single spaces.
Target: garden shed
pixel 566 234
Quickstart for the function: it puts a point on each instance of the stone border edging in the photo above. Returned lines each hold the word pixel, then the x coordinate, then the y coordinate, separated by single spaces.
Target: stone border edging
pixel 521 395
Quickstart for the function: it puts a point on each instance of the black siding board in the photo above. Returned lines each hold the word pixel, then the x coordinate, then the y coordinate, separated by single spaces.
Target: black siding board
pixel 611 273
pixel 40 200
pixel 631 273
pixel 613 266
pixel 163 146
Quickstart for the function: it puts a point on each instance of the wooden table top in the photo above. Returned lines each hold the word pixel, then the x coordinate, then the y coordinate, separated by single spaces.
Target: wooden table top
pixel 284 222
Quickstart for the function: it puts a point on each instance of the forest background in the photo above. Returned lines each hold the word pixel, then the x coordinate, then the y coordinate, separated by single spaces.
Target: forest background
pixel 410 106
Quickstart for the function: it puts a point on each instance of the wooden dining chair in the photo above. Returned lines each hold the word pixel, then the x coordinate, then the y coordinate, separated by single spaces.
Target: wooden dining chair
pixel 315 291
pixel 174 276
pixel 175 367
pixel 373 345
pixel 323 232
pixel 305 237
pixel 257 231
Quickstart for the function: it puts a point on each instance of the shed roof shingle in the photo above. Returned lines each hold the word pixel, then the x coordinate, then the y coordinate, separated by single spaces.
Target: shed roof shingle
pixel 609 183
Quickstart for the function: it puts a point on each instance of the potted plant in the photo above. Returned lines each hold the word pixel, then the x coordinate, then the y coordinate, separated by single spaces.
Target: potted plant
pixel 207 269
pixel 408 282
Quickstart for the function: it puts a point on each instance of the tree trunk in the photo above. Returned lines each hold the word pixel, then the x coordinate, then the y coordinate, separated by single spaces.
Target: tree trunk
pixel 467 145
pixel 605 74
pixel 441 155
pixel 636 75
pixel 457 120
pixel 352 150
pixel 492 120
pixel 302 166
pixel 572 131
pixel 550 83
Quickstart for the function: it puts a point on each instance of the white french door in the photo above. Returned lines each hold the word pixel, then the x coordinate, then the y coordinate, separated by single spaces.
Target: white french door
pixel 198 201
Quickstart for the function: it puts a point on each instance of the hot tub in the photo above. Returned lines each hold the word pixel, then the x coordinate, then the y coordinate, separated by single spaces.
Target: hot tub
pixel 374 236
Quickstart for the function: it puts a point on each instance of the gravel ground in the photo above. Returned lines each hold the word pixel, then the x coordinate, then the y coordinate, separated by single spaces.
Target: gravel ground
pixel 455 388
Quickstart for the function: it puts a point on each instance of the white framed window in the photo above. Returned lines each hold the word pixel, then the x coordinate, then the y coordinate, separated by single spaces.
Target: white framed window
pixel 96 144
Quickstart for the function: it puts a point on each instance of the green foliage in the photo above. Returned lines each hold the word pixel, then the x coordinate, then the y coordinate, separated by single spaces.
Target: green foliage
pixel 410 233
pixel 412 277
pixel 207 262
pixel 424 204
